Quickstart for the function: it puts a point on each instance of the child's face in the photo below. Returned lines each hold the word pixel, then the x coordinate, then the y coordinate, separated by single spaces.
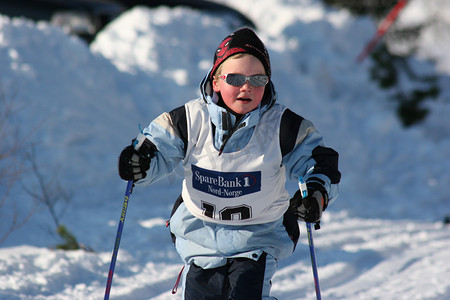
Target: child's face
pixel 240 99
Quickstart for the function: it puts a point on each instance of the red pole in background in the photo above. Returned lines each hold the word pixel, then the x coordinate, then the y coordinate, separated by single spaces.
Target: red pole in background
pixel 382 28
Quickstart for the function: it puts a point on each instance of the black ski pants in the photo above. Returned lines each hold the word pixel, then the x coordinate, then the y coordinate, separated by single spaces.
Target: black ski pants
pixel 239 279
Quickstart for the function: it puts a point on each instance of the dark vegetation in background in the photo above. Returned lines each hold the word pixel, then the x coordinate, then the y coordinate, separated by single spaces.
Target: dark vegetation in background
pixel 387 71
pixel 392 71
pixel 374 8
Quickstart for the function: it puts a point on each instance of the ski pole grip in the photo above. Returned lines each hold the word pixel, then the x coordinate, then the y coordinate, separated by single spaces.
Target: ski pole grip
pixel 139 141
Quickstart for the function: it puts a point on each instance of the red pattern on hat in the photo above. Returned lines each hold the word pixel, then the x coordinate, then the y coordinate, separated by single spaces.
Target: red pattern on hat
pixel 241 41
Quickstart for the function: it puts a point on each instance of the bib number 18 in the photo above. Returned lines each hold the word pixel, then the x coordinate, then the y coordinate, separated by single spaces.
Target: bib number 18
pixel 240 212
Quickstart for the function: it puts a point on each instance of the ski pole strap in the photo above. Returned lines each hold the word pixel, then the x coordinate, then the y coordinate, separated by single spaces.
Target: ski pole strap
pixel 317 225
pixel 175 288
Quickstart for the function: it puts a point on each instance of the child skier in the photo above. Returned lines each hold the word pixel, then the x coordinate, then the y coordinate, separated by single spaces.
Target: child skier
pixel 234 219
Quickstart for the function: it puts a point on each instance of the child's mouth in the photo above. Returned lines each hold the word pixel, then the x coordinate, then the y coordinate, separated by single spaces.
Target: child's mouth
pixel 244 99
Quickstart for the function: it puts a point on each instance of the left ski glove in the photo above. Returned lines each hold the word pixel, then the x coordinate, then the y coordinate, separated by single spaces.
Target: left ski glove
pixel 134 164
pixel 310 208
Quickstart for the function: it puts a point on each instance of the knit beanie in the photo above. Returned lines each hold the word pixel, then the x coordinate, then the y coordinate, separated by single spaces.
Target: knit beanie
pixel 241 41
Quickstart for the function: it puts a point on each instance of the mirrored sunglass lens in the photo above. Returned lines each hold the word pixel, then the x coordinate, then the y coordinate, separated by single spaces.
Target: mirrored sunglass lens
pixel 258 80
pixel 235 79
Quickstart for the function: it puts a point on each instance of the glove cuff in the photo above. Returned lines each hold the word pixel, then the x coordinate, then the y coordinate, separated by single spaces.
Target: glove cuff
pixel 144 146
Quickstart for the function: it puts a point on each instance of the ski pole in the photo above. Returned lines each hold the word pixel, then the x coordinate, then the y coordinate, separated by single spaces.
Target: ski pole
pixel 304 192
pixel 136 144
pixel 313 260
pixel 118 237
pixel 382 28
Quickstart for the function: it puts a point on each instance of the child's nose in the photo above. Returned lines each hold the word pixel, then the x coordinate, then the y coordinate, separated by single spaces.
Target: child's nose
pixel 247 84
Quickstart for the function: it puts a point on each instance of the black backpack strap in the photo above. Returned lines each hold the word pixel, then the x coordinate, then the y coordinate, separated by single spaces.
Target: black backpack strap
pixel 179 121
pixel 290 124
pixel 174 209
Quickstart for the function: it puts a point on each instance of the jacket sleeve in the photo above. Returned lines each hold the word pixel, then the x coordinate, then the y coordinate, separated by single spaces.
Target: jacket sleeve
pixel 304 154
pixel 168 132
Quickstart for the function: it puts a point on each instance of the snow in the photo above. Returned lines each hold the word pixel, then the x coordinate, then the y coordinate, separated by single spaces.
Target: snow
pixel 79 105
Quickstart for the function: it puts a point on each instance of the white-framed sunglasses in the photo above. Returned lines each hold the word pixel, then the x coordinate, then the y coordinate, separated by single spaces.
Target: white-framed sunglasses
pixel 240 80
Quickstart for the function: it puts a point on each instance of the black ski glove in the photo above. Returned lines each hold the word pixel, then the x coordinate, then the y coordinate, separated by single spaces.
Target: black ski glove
pixel 310 209
pixel 134 164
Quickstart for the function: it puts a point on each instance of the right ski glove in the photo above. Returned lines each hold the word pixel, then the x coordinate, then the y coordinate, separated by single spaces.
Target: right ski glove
pixel 134 164
pixel 310 209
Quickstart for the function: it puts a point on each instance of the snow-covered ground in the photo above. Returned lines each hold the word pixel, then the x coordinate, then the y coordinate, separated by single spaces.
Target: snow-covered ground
pixel 79 105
